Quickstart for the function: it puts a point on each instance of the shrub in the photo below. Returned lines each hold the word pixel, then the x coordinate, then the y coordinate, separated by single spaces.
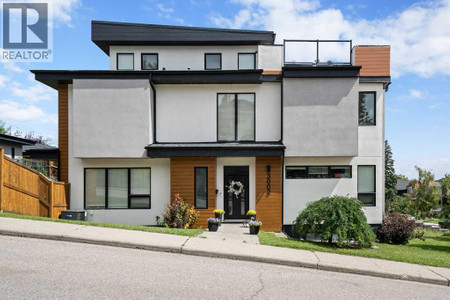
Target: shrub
pixel 401 204
pixel 180 214
pixel 445 212
pixel 396 229
pixel 336 216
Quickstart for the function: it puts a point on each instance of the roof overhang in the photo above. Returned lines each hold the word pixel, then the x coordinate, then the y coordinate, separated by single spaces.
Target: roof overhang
pixel 52 78
pixel 215 149
pixel 17 140
pixel 105 34
pixel 302 71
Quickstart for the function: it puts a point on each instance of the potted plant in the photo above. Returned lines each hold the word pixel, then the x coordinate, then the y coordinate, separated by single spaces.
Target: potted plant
pixel 251 215
pixel 254 226
pixel 213 224
pixel 219 215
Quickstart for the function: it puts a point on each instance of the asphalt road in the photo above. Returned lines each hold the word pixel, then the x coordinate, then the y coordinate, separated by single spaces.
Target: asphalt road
pixel 43 269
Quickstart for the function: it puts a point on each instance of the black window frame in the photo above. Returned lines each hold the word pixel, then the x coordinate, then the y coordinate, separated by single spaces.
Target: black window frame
pixel 254 60
pixel 235 117
pixel 374 108
pixel 129 188
pixel 328 174
pixel 117 61
pixel 220 55
pixel 374 185
pixel 142 61
pixel 195 188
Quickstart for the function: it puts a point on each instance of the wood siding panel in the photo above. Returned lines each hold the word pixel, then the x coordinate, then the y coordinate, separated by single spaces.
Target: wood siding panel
pixel 27 192
pixel 269 206
pixel 182 182
pixel 63 131
pixel 375 60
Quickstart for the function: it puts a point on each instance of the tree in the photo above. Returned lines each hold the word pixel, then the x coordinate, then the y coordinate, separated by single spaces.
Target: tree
pixel 3 128
pixel 390 183
pixel 40 139
pixel 445 186
pixel 401 177
pixel 425 193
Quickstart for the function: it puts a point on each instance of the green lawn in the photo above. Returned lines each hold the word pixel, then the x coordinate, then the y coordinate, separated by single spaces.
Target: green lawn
pixel 185 232
pixel 434 221
pixel 434 251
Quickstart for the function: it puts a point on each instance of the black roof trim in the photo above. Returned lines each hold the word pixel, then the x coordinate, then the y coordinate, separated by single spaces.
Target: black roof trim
pixel 301 71
pixel 52 78
pixel 215 149
pixel 15 139
pixel 105 34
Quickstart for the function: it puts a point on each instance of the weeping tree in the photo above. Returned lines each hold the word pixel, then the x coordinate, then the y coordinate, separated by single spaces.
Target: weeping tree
pixel 390 183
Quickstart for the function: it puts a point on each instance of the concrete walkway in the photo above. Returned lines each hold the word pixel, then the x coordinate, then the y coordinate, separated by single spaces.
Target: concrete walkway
pixel 230 232
pixel 230 246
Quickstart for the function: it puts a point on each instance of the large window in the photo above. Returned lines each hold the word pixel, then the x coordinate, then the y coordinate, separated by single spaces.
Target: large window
pixel 125 61
pixel 367 108
pixel 213 61
pixel 302 172
pixel 235 117
pixel 246 61
pixel 201 187
pixel 366 185
pixel 117 188
pixel 149 61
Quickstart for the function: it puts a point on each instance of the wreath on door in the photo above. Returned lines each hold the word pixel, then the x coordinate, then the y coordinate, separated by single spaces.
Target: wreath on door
pixel 235 187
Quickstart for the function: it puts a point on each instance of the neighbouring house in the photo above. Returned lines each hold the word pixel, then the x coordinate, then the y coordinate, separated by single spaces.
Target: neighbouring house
pixel 43 157
pixel 13 145
pixel 403 187
pixel 227 118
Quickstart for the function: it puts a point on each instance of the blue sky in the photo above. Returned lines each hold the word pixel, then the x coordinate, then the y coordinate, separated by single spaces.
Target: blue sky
pixel 417 104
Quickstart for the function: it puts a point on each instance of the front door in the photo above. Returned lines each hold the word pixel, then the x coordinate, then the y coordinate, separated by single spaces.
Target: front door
pixel 236 192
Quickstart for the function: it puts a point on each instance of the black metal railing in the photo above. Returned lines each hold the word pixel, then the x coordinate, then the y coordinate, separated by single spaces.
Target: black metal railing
pixel 316 58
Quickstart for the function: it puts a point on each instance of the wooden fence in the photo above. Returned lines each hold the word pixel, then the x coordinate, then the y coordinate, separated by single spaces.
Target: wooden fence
pixel 27 192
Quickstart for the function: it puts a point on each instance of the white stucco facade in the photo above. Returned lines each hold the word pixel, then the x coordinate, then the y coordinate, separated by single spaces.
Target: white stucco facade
pixel 188 113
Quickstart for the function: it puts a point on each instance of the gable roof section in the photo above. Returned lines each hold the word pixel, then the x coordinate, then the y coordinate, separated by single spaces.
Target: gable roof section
pixel 15 139
pixel 105 34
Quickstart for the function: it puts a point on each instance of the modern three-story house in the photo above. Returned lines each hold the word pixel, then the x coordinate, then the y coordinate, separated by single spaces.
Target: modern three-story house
pixel 226 118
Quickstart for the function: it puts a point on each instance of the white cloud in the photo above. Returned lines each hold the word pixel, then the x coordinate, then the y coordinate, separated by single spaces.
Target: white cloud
pixel 436 105
pixel 415 94
pixel 162 8
pixel 11 66
pixel 3 80
pixel 10 110
pixel 419 35
pixel 63 9
pixel 32 93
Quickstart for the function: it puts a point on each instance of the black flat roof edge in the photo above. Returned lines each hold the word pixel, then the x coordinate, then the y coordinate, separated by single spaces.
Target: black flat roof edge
pixel 375 79
pixel 54 77
pixel 211 151
pixel 298 71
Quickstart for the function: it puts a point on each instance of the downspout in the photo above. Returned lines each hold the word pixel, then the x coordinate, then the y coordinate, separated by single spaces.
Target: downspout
pixel 153 106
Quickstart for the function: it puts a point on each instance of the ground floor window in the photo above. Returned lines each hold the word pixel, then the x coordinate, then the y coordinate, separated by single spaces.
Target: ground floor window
pixel 302 172
pixel 366 185
pixel 117 188
pixel 201 187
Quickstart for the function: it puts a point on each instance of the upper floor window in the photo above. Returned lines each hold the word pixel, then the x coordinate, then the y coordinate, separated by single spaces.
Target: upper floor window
pixel 149 61
pixel 246 61
pixel 367 108
pixel 213 61
pixel 235 117
pixel 125 61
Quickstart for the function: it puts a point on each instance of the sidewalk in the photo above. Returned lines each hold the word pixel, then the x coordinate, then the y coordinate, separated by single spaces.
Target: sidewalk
pixel 230 248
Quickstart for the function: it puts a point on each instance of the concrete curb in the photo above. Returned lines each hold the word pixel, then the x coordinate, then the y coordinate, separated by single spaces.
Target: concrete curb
pixel 91 241
pixel 244 257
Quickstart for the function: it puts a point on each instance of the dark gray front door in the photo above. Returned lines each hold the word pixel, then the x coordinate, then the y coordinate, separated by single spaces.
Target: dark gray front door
pixel 236 192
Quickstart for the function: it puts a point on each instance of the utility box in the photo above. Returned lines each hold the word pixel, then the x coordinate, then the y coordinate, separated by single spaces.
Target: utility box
pixel 79 215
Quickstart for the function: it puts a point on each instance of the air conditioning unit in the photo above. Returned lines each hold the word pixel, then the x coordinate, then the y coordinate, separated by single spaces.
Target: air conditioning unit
pixel 79 215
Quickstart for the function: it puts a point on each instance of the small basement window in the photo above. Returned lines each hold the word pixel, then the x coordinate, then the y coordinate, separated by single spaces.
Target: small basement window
pixel 318 172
